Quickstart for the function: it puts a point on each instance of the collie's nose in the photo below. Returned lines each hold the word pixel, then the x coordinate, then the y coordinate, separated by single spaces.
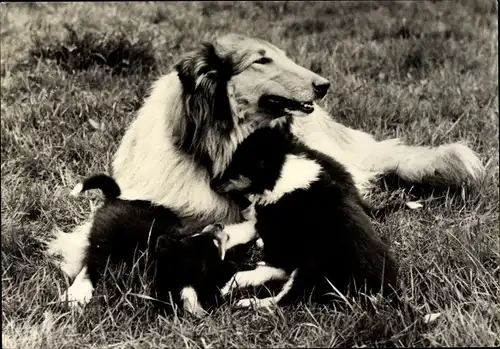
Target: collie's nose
pixel 321 88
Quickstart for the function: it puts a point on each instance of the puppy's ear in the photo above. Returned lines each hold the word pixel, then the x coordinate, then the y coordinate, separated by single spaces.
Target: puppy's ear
pixel 219 237
pixel 204 76
pixel 203 67
pixel 164 243
pixel 239 184
pixel 220 240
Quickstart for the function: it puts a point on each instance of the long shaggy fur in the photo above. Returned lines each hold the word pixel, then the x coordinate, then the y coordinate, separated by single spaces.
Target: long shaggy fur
pixel 207 116
pixel 196 115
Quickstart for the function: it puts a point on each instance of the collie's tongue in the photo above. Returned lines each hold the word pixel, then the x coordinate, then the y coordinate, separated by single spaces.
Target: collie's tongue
pixel 290 104
pixel 305 107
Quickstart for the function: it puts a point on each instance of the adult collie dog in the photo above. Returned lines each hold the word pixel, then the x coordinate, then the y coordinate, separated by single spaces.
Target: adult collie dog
pixel 196 115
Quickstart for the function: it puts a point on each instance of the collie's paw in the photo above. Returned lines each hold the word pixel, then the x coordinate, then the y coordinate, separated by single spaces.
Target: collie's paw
pixel 231 285
pixel 78 294
pixel 190 302
pixel 460 164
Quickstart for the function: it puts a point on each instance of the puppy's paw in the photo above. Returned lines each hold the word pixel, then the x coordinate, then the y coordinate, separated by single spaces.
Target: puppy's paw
pixel 196 311
pixel 78 295
pixel 226 289
pixel 430 318
pixel 245 303
pixel 255 303
pixel 260 243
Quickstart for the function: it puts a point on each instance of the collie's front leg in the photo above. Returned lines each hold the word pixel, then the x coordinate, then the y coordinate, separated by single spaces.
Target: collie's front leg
pixel 448 164
pixel 255 277
pixel 366 158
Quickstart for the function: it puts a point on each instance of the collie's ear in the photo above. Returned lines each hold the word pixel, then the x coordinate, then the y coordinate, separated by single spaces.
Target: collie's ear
pixel 203 67
pixel 204 76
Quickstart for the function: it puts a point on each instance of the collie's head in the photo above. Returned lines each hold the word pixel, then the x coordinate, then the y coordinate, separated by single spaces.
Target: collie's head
pixel 233 86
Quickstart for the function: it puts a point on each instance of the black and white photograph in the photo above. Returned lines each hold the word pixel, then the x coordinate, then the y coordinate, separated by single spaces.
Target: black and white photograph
pixel 250 174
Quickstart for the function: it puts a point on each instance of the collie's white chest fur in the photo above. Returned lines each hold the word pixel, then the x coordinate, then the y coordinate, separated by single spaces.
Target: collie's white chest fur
pixel 297 172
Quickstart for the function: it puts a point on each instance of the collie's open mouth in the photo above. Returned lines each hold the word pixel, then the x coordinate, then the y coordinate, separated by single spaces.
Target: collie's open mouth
pixel 283 106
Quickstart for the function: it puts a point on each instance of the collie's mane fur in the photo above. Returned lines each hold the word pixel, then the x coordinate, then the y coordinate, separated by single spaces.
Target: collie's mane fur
pixel 153 141
pixel 207 117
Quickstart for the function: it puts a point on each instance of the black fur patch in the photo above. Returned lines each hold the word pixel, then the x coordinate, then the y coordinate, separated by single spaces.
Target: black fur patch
pixel 104 182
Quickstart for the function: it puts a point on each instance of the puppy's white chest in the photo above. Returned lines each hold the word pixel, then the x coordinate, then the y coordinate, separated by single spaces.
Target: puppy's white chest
pixel 297 172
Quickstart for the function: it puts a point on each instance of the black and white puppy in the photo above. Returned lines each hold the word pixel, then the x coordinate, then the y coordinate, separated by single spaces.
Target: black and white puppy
pixel 141 234
pixel 313 223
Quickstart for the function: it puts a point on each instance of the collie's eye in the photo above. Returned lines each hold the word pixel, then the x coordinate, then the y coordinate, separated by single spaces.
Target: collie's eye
pixel 263 60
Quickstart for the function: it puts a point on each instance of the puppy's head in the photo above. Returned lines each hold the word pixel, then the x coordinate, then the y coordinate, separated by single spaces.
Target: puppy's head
pixel 191 259
pixel 257 162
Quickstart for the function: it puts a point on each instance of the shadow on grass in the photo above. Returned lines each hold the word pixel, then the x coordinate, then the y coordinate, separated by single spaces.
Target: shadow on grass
pixel 426 189
pixel 79 52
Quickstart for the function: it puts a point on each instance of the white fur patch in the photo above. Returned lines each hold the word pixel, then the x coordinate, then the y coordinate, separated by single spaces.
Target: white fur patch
pixel 239 234
pixel 269 301
pixel 255 277
pixel 190 301
pixel 77 190
pixel 255 302
pixel 414 205
pixel 71 248
pixel 297 173
pixel 430 318
pixel 80 292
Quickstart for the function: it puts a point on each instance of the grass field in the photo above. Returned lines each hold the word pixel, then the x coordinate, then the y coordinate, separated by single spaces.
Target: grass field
pixel 72 76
